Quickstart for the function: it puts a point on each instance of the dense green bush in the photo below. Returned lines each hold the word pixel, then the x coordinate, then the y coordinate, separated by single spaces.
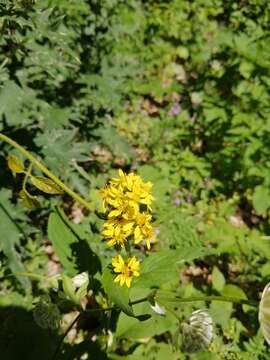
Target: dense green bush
pixel 178 91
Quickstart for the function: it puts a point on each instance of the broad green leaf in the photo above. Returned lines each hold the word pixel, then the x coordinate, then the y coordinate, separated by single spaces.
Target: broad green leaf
pixel 46 185
pixel 265 270
pixel 161 267
pixel 119 295
pixel 218 280
pixel 221 312
pixel 154 325
pixel 29 201
pixel 15 164
pixel 152 350
pixel 12 232
pixel 71 245
pixel 135 329
pixel 11 98
pixel 233 291
pixel 62 239
pixel 261 199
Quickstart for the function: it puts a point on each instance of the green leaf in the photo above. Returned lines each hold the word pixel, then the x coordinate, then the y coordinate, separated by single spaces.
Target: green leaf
pixel 221 312
pixel 11 98
pixel 29 201
pixel 62 239
pixel 261 199
pixel 15 164
pixel 233 291
pixel 71 245
pixel 11 232
pixel 46 185
pixel 161 267
pixel 82 291
pixel 218 280
pixel 69 288
pixel 119 295
pixel 135 329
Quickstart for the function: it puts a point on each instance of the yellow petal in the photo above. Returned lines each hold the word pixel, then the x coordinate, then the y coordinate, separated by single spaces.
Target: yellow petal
pixel 114 213
pixel 137 235
pixel 117 279
pixel 122 279
pixel 128 281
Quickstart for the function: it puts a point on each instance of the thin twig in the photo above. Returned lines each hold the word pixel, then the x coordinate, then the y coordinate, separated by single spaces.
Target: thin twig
pixel 64 335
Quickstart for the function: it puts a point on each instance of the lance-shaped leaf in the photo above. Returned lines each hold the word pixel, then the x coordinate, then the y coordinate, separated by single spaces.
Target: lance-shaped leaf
pixel 46 185
pixel 29 201
pixel 71 245
pixel 15 164
pixel 161 267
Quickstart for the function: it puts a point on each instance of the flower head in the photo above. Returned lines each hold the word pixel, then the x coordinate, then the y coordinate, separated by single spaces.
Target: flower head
pixel 117 231
pixel 127 201
pixel 126 192
pixel 125 269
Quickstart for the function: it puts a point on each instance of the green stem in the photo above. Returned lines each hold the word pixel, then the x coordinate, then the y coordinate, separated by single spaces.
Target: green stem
pixel 25 274
pixel 47 172
pixel 28 172
pixel 139 301
pixel 231 299
pixel 176 299
pixel 169 310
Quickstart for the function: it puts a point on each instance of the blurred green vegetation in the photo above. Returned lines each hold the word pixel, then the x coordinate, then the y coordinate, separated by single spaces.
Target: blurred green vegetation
pixel 176 90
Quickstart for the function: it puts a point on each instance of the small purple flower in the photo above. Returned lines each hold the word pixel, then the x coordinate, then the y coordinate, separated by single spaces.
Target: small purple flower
pixel 175 109
pixel 177 202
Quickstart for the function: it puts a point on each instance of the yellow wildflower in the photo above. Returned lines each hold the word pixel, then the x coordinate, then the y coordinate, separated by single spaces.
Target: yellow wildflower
pixel 125 269
pixel 124 199
pixel 125 208
pixel 121 181
pixel 111 197
pixel 131 187
pixel 140 194
pixel 143 229
pixel 117 231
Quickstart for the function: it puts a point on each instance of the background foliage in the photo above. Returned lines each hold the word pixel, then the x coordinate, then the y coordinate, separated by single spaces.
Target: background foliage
pixel 177 90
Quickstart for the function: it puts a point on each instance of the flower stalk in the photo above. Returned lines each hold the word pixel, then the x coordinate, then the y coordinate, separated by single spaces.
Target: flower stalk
pixel 235 300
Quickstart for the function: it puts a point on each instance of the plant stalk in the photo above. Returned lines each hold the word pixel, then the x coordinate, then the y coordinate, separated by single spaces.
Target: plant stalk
pixel 231 299
pixel 64 335
pixel 46 171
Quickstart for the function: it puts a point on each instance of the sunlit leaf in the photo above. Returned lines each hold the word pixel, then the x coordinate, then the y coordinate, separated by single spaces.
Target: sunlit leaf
pixel 218 279
pixel 29 201
pixel 119 295
pixel 70 243
pixel 46 185
pixel 15 164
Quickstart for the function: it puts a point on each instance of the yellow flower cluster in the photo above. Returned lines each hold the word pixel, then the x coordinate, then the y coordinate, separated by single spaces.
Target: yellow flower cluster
pixel 127 202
